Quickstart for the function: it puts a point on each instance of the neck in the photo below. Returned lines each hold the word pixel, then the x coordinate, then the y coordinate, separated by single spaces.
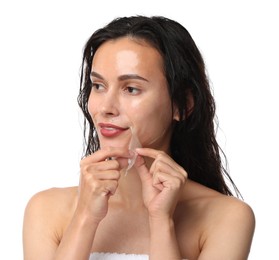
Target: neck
pixel 129 192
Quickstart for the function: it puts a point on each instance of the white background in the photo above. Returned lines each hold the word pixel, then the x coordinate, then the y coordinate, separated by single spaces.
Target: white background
pixel 41 126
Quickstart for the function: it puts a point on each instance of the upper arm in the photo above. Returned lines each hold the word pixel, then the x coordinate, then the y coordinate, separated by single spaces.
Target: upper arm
pixel 230 233
pixel 40 239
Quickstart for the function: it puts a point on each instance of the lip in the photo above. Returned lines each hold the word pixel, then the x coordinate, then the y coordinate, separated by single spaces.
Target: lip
pixel 110 130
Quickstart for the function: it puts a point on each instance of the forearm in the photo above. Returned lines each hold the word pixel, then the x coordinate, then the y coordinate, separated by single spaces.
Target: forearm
pixel 163 242
pixel 77 240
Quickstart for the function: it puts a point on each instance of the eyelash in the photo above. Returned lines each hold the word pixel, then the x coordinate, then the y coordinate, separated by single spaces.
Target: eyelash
pixel 96 86
pixel 127 89
pixel 130 89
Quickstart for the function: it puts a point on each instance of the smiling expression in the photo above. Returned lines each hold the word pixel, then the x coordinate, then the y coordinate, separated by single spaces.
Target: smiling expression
pixel 129 90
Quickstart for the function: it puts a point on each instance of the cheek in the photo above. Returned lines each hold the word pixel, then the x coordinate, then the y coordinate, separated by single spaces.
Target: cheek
pixel 92 106
pixel 151 120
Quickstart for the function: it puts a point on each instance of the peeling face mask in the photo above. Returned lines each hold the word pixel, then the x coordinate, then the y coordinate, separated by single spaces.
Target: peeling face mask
pixel 134 143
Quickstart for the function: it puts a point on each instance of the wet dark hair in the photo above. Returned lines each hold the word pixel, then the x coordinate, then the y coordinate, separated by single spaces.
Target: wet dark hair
pixel 193 142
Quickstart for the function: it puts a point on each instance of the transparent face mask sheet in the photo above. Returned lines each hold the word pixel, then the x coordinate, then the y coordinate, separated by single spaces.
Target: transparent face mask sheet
pixel 134 143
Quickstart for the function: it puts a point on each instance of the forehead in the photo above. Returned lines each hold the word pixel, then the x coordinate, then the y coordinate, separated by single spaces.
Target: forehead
pixel 128 53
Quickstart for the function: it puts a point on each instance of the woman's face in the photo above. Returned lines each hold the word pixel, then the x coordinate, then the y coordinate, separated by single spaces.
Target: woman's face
pixel 129 100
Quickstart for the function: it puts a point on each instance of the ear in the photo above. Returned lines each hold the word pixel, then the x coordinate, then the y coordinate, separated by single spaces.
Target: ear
pixel 190 104
pixel 190 107
pixel 176 116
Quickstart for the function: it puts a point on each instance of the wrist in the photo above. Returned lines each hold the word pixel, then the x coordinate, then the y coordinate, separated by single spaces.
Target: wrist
pixel 163 241
pixel 86 220
pixel 162 221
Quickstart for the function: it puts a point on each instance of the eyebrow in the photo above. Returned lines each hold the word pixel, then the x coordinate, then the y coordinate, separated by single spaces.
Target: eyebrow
pixel 122 77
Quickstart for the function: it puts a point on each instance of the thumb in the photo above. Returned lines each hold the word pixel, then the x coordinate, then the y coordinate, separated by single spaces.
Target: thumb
pixel 142 169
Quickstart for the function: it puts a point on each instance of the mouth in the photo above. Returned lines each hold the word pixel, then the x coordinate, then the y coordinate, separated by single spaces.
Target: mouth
pixel 110 130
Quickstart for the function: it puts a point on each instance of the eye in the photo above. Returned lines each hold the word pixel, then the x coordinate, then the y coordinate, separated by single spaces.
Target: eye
pixel 132 90
pixel 97 87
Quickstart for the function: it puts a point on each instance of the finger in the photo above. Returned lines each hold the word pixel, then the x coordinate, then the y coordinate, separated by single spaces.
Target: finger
pixel 103 165
pixel 168 166
pixel 158 156
pixel 145 176
pixel 108 175
pixel 101 168
pixel 108 152
pixel 163 180
pixel 142 169
pixel 109 187
pixel 161 158
pixel 100 187
pixel 149 152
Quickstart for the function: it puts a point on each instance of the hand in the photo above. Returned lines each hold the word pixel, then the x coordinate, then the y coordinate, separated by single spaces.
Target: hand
pixel 161 184
pixel 99 180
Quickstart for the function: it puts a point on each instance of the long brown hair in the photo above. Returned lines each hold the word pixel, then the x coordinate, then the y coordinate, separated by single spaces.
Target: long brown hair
pixel 193 144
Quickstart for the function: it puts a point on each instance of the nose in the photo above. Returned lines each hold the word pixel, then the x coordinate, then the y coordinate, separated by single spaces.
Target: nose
pixel 110 104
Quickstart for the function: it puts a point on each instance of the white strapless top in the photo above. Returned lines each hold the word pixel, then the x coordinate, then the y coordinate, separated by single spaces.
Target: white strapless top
pixel 116 256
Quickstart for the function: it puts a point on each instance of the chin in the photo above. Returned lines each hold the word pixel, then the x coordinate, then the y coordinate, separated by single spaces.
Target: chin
pixel 114 144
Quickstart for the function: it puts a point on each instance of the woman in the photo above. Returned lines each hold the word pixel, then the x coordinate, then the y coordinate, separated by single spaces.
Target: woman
pixel 152 184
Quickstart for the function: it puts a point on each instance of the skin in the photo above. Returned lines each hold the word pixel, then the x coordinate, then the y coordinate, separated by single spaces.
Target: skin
pixel 154 209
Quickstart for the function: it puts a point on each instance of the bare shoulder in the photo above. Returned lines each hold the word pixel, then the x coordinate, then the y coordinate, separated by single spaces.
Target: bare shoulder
pixel 228 214
pixel 219 223
pixel 46 216
pixel 219 208
pixel 212 203
pixel 51 208
pixel 54 198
